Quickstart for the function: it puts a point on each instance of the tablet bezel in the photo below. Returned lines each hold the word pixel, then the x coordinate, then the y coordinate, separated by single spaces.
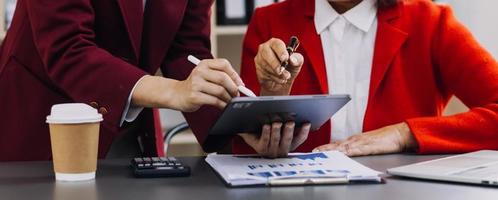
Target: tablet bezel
pixel 315 109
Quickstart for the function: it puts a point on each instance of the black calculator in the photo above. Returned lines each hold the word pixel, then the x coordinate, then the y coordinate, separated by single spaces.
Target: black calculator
pixel 155 167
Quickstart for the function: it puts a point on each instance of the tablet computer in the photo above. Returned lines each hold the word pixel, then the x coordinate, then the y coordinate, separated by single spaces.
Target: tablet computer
pixel 249 114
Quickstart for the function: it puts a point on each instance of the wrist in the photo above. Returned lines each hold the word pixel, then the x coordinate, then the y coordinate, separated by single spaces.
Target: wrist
pixel 154 91
pixel 171 92
pixel 282 90
pixel 408 141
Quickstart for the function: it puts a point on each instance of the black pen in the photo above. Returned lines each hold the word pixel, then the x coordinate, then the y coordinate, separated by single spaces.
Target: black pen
pixel 291 48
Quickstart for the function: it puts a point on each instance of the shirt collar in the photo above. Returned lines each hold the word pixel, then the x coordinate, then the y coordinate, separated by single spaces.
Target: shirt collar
pixel 361 16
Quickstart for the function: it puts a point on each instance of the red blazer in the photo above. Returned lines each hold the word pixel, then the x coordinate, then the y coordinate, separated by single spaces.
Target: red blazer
pixel 92 52
pixel 422 57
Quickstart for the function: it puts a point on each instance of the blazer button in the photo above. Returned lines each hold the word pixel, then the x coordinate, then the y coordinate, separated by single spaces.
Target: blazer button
pixel 125 59
pixel 103 110
pixel 94 104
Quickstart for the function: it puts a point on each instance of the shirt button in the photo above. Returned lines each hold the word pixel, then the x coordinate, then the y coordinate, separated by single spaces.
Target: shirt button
pixel 103 110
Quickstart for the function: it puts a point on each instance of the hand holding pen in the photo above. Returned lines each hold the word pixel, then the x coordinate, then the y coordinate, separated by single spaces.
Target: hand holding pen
pixel 277 65
pixel 291 48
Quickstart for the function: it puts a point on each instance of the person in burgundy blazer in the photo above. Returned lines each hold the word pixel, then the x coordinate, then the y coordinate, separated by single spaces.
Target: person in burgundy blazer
pixel 94 52
pixel 422 57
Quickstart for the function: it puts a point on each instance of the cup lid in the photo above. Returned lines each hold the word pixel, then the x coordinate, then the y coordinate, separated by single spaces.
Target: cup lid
pixel 73 113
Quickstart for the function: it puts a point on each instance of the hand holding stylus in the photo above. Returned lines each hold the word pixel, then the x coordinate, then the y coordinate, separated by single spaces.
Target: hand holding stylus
pixel 212 82
pixel 241 88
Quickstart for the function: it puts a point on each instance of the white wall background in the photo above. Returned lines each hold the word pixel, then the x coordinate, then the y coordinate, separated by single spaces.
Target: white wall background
pixel 481 17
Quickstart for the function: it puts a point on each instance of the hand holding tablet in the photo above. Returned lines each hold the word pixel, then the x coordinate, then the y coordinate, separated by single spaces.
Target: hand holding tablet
pixel 269 122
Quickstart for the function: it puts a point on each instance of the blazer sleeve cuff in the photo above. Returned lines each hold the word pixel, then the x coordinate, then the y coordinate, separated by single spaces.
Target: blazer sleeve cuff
pixel 112 97
pixel 432 135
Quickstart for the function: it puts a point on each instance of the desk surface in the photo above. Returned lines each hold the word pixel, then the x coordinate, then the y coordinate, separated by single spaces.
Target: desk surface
pixel 35 180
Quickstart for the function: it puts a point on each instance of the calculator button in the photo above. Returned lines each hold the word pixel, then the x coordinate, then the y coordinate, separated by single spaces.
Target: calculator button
pixel 148 167
pixel 159 164
pixel 164 168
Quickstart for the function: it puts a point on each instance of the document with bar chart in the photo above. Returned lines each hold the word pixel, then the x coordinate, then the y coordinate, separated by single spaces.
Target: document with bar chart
pixel 331 167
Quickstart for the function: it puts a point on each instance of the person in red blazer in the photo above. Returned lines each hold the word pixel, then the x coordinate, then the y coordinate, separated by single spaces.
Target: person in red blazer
pixel 422 56
pixel 102 53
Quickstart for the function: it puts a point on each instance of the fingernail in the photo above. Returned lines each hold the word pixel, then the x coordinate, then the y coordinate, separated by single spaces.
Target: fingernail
pixel 315 151
pixel 282 69
pixel 288 77
pixel 293 60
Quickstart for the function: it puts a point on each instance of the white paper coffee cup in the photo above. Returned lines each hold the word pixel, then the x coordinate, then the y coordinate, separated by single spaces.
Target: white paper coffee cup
pixel 74 135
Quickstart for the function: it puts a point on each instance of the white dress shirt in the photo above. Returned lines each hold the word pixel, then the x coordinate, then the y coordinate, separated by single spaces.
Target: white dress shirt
pixel 348 41
pixel 130 113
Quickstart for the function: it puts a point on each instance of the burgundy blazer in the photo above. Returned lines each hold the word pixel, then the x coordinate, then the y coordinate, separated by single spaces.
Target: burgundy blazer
pixel 93 51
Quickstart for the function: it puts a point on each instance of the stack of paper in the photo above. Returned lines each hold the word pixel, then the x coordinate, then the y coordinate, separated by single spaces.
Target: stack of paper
pixel 331 167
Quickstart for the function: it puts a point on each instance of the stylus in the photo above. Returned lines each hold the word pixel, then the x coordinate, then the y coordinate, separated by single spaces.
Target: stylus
pixel 242 89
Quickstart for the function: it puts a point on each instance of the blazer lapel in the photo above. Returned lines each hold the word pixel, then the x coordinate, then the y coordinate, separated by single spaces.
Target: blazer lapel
pixel 390 39
pixel 312 44
pixel 132 11
pixel 162 21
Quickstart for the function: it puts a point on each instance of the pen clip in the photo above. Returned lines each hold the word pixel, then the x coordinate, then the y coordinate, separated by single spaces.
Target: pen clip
pixel 293 45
